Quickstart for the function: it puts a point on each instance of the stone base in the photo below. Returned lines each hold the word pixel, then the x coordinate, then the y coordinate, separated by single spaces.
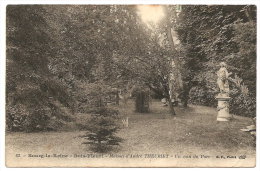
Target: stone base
pixel 223 108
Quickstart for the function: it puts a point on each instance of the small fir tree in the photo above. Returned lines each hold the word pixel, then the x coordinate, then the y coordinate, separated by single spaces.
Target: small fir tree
pixel 101 130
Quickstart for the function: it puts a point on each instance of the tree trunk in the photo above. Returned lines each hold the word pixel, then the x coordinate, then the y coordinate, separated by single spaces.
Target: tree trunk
pixel 185 95
pixel 117 97
pixel 178 85
pixel 185 103
pixel 171 107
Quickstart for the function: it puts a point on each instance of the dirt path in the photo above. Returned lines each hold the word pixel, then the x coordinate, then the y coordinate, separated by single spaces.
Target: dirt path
pixel 193 132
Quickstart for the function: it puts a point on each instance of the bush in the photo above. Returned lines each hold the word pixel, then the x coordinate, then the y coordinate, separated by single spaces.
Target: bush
pixel 101 130
pixel 242 102
pixel 38 108
pixel 142 101
pixel 92 95
pixel 55 124
pixel 242 105
pixel 202 96
pixel 32 120
pixel 82 121
pixel 37 119
pixel 16 117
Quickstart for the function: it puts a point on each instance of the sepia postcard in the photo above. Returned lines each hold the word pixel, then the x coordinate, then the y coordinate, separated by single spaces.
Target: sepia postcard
pixel 130 85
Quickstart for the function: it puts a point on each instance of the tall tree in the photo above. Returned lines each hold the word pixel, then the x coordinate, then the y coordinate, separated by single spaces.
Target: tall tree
pixel 210 35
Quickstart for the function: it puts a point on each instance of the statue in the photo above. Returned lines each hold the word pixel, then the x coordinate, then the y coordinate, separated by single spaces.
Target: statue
pixel 222 81
pixel 223 97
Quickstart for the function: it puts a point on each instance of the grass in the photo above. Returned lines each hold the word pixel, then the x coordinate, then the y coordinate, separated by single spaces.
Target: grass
pixel 192 131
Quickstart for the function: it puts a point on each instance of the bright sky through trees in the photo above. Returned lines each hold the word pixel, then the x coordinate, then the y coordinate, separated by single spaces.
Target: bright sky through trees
pixel 151 13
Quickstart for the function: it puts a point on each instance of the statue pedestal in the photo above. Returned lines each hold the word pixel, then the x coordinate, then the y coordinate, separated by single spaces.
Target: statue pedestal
pixel 223 108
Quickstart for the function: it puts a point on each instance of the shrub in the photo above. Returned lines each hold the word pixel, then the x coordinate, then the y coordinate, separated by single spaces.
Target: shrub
pixel 242 101
pixel 16 117
pixel 38 108
pixel 243 105
pixel 92 95
pixel 142 101
pixel 55 124
pixel 101 130
pixel 202 96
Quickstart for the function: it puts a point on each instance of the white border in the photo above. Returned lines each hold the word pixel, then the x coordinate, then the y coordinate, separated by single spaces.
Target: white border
pixel 3 4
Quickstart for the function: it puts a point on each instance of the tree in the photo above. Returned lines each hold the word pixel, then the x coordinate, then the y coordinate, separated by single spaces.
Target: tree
pixel 31 92
pixel 101 130
pixel 210 35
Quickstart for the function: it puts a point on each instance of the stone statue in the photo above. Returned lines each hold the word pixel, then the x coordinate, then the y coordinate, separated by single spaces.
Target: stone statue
pixel 222 80
pixel 223 97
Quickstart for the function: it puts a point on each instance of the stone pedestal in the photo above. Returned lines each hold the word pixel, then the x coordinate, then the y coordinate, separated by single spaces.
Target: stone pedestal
pixel 223 108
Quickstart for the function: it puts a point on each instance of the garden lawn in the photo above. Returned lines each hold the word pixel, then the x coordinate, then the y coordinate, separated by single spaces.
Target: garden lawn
pixel 194 131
